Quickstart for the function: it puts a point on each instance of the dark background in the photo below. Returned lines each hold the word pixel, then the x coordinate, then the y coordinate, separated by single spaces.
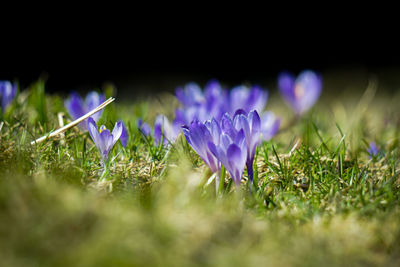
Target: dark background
pixel 148 50
pixel 144 65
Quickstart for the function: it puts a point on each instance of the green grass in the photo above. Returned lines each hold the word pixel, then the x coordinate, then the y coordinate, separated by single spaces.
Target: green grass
pixel 319 199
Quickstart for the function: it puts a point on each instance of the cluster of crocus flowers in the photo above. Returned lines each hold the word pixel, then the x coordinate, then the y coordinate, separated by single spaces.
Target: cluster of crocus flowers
pixel 213 103
pixel 231 142
pixel 302 92
pixel 102 138
pixel 7 94
pixel 232 153
pixel 77 107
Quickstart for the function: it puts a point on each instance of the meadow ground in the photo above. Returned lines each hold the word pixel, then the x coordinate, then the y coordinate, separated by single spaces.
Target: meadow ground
pixel 319 199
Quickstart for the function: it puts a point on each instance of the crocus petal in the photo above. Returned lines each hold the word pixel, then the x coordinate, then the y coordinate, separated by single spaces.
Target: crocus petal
pixel 213 93
pixel 240 139
pixel 236 162
pixel 106 143
pixel 214 129
pixel 92 101
pixel 238 96
pixel 93 131
pixel 180 95
pixel 163 128
pixel 215 103
pixel 189 95
pixel 240 121
pixel 198 137
pixel 269 125
pixel 186 133
pixel 144 127
pixel 254 121
pixel 212 89
pixel 175 131
pixel 227 126
pixel 75 106
pixel 158 125
pixel 219 153
pixel 7 93
pixel 255 128
pixel 256 99
pixel 194 93
pixel 213 148
pixel 180 118
pixel 286 83
pixel 213 163
pixel 307 90
pixel 373 149
pixel 225 141
pixel 252 137
pixel 117 132
pixel 240 112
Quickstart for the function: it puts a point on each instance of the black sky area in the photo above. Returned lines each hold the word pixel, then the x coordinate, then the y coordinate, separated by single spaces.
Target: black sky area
pixel 151 68
pixel 145 52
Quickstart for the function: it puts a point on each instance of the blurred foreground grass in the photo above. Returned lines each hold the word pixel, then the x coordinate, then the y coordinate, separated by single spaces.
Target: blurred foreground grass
pixel 320 200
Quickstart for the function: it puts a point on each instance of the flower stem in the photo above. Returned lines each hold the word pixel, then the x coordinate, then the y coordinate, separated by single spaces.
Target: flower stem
pixel 249 166
pixel 220 185
pixel 106 170
pixel 255 177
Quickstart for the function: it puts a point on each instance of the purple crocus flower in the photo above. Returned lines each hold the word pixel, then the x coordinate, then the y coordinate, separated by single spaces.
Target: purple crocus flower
pixel 232 153
pixel 250 123
pixel 124 135
pixel 144 127
pixel 302 92
pixel 184 116
pixel 198 135
pixel 241 97
pixel 164 130
pixel 373 150
pixel 199 105
pixel 7 93
pixel 103 139
pixel 216 100
pixel 181 118
pixel 190 95
pixel 269 125
pixel 77 107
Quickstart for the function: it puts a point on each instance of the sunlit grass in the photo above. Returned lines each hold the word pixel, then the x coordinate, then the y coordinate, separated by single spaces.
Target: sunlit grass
pixel 319 198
